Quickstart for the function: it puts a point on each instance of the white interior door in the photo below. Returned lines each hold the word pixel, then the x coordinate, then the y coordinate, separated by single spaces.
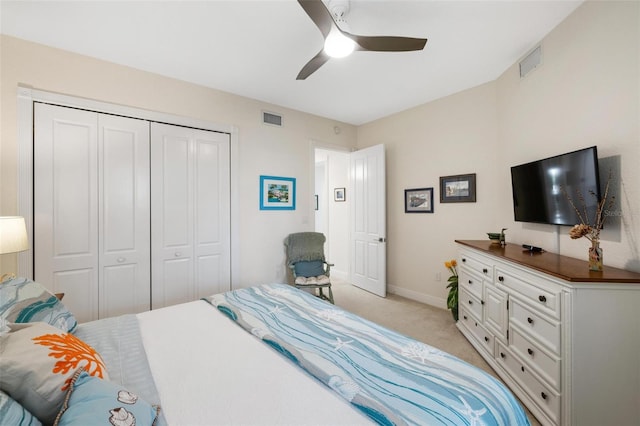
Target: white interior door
pixel 66 206
pixel 124 215
pixel 190 219
pixel 368 250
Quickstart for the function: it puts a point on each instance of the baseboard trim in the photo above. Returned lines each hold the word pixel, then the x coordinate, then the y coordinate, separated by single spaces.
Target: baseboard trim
pixel 418 297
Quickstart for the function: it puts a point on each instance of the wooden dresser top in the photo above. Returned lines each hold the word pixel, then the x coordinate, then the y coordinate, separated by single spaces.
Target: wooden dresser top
pixel 563 267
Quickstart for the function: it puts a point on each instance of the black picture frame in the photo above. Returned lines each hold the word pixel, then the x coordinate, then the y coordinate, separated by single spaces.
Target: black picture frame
pixel 458 188
pixel 418 200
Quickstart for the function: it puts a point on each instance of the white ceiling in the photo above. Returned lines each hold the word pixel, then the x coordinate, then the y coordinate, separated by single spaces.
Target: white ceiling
pixel 256 48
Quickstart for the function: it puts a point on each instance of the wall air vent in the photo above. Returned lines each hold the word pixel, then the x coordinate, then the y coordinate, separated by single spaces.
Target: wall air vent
pixel 271 119
pixel 531 61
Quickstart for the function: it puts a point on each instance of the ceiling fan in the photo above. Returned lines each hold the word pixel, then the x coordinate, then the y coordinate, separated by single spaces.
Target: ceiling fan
pixel 339 42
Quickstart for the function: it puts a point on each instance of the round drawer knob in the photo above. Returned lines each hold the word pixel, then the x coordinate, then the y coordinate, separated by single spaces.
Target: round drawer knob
pixel 522 368
pixel 530 320
pixel 486 339
pixel 542 299
pixel 543 395
pixel 464 316
pixel 530 351
pixel 485 270
pixel 470 282
pixel 471 302
pixel 502 355
pixel 501 278
pixel 464 260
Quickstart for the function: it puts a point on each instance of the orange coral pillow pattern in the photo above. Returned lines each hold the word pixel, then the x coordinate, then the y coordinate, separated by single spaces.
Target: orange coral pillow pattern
pixel 38 362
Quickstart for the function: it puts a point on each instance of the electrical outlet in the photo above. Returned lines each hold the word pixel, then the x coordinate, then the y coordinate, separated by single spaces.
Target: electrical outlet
pixel 438 276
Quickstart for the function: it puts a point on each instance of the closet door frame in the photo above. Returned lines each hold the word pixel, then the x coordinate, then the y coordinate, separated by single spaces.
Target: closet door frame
pixel 28 96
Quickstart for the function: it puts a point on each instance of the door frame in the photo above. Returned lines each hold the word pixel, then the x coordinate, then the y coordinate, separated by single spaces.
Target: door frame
pixel 28 96
pixel 313 146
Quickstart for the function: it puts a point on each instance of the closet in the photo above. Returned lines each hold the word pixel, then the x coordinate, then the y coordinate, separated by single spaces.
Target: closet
pixel 129 214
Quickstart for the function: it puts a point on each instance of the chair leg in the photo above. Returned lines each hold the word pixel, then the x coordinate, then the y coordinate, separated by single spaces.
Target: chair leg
pixel 330 295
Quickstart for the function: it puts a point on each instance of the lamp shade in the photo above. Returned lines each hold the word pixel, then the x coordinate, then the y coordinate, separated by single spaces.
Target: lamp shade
pixel 13 234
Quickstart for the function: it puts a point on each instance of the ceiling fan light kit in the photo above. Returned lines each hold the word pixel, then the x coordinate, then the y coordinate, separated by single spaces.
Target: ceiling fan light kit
pixel 339 42
pixel 337 45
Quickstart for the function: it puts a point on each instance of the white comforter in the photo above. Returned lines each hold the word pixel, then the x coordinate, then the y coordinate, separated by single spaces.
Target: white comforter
pixel 230 377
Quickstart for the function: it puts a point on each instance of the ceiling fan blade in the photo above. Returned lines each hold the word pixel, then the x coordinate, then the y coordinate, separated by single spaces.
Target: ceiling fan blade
pixel 313 65
pixel 319 14
pixel 388 43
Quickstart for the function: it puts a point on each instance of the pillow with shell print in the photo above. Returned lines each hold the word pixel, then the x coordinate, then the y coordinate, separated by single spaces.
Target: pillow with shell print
pixel 91 401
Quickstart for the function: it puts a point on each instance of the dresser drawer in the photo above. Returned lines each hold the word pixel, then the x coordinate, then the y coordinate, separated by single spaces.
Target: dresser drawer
pixel 544 330
pixel 544 397
pixel 471 303
pixel 471 282
pixel 544 298
pixel 545 364
pixel 476 264
pixel 479 333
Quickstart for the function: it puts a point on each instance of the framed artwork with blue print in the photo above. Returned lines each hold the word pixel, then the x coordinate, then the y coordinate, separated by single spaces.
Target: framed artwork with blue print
pixel 277 193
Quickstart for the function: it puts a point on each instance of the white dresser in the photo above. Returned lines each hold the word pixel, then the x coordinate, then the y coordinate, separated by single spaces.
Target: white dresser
pixel 564 339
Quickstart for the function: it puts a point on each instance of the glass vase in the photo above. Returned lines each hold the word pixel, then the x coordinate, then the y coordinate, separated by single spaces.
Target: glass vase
pixel 595 256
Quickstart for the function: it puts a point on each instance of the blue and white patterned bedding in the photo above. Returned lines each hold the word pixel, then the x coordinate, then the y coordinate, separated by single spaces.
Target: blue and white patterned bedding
pixel 391 378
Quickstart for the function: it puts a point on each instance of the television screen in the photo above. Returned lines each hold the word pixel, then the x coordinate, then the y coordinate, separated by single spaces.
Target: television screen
pixel 540 188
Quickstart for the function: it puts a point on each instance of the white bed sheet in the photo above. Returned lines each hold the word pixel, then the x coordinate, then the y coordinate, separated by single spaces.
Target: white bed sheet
pixel 209 371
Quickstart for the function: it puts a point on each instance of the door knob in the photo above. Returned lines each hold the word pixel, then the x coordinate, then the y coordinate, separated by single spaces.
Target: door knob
pixel 121 259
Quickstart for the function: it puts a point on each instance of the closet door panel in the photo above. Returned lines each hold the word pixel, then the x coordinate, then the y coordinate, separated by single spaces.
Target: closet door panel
pixel 172 218
pixel 177 274
pixel 176 193
pixel 212 216
pixel 80 291
pixel 65 206
pixel 124 216
pixel 190 221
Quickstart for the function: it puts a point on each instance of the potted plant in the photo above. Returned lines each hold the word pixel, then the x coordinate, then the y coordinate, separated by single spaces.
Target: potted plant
pixel 452 298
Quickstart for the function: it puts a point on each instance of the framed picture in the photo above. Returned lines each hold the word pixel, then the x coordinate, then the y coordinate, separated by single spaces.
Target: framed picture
pixel 339 194
pixel 277 193
pixel 458 189
pixel 316 198
pixel 419 200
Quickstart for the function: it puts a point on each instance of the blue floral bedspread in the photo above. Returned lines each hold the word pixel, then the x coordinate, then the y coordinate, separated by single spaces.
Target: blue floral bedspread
pixel 391 378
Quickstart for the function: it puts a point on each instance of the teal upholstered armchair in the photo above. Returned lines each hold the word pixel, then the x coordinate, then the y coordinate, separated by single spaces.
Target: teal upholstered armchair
pixel 305 258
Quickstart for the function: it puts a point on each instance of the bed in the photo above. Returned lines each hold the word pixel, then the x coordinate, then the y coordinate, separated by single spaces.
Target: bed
pixel 269 354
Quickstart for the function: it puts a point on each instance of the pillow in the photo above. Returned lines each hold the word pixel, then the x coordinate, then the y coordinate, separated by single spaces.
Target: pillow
pixel 38 362
pixel 312 268
pixel 91 401
pixel 12 413
pixel 23 300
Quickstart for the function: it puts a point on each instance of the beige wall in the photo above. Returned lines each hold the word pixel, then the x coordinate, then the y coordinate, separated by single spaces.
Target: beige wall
pixel 262 149
pixel 586 92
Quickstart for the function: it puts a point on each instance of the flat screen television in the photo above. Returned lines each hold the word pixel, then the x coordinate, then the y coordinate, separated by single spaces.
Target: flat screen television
pixel 538 195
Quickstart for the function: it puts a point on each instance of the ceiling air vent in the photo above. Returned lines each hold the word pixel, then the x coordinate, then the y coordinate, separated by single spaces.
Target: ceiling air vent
pixel 271 119
pixel 531 61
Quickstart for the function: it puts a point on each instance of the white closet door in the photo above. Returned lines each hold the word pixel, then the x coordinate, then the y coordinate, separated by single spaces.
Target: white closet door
pixel 190 219
pixel 124 216
pixel 65 206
